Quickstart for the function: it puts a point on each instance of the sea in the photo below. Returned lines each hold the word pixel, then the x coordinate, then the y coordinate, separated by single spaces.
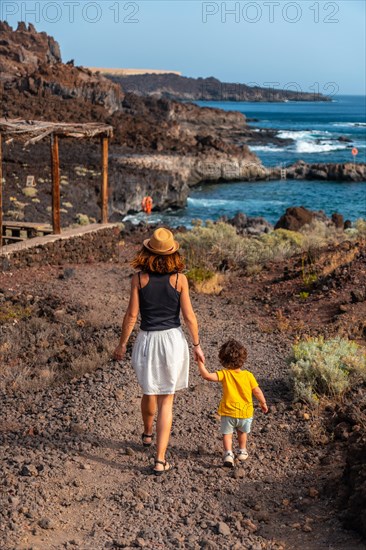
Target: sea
pixel 315 128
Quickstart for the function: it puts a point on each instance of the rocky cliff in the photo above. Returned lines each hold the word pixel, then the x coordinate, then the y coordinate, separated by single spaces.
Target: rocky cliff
pixel 160 146
pixel 173 86
pixel 30 63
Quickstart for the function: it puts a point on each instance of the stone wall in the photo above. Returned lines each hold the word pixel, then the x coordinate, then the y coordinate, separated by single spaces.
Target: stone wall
pixel 89 244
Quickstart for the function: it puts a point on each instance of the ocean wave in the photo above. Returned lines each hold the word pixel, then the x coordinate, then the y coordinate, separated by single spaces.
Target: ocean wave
pixel 349 124
pixel 307 141
pixel 303 134
pixel 141 216
pixel 311 147
pixel 208 203
pixel 266 148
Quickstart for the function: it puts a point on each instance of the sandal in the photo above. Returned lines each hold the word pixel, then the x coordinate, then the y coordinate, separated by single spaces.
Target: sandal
pixel 161 472
pixel 145 443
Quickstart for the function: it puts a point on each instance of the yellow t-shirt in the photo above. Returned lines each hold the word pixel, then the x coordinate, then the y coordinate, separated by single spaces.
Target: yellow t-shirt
pixel 237 387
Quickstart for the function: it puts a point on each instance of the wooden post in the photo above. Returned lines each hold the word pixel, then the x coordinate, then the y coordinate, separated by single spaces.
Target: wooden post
pixel 104 182
pixel 1 193
pixel 55 165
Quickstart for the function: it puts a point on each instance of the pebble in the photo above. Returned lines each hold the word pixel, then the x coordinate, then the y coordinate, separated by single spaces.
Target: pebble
pixel 28 470
pixel 142 494
pixel 248 523
pixel 223 529
pixel 239 473
pixel 313 492
pixel 46 523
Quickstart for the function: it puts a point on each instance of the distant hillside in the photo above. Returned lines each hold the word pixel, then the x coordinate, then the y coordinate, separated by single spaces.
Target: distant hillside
pixel 173 86
pixel 128 72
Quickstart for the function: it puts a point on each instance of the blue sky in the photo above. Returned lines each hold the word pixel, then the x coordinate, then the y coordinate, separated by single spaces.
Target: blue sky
pixel 305 44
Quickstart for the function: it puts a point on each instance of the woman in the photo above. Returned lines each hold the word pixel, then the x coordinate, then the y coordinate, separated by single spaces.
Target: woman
pixel 160 355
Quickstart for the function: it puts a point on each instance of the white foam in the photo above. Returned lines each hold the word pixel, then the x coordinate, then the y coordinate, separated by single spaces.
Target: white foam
pixel 349 124
pixel 141 217
pixel 266 148
pixel 307 141
pixel 303 134
pixel 311 147
pixel 208 203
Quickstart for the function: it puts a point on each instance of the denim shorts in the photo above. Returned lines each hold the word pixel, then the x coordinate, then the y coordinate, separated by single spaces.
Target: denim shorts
pixel 229 424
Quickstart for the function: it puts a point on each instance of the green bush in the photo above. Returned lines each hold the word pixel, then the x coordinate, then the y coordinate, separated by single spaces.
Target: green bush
pixel 199 274
pixel 208 246
pixel 322 367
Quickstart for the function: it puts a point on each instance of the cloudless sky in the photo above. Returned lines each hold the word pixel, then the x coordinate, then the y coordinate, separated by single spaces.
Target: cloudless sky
pixel 310 43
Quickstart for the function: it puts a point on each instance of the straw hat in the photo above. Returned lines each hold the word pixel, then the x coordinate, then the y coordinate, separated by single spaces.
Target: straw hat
pixel 162 242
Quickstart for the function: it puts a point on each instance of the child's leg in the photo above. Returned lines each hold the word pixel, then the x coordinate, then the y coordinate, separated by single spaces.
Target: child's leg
pixel 242 439
pixel 227 440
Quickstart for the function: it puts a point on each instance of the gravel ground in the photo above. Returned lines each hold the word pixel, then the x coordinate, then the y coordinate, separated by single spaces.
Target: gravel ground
pixel 74 473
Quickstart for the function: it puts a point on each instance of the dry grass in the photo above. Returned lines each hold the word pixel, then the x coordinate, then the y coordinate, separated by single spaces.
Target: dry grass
pixel 213 285
pixel 213 246
pixel 37 351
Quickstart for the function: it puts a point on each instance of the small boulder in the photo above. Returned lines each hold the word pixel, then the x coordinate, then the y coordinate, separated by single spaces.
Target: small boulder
pixel 295 218
pixel 338 220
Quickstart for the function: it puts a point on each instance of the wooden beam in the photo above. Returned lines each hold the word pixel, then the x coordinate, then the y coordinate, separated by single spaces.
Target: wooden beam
pixel 104 182
pixel 1 192
pixel 55 165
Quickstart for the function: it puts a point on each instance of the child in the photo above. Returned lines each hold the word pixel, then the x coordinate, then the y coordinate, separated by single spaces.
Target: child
pixel 236 407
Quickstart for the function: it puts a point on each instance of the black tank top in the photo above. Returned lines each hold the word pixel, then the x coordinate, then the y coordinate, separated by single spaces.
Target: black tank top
pixel 159 303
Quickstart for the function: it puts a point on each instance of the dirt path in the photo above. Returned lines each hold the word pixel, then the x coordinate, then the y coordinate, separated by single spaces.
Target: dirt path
pixel 75 474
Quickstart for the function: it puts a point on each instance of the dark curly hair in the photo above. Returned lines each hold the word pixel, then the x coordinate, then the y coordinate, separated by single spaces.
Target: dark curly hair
pixel 232 354
pixel 155 263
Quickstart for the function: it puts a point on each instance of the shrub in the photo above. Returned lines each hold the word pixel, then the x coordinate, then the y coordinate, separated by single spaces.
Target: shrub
pixel 206 246
pixel 13 312
pixel 210 245
pixel 322 367
pixel 360 227
pixel 213 245
pixel 29 191
pixel 199 274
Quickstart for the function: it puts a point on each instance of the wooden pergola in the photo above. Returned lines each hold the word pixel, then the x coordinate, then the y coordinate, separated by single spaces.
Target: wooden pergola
pixel 31 132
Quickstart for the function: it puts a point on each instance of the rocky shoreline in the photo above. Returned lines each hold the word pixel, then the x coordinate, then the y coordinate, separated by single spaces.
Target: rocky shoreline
pixel 160 147
pixel 181 88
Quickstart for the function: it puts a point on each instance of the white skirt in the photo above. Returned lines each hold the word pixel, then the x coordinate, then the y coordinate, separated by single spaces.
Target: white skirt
pixel 160 359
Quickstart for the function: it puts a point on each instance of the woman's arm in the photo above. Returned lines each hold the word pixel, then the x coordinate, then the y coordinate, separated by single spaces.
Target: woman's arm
pixel 190 319
pixel 210 376
pixel 129 320
pixel 257 392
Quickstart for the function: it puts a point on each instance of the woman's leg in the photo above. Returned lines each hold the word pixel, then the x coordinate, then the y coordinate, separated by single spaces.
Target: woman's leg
pixel 148 410
pixel 163 426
